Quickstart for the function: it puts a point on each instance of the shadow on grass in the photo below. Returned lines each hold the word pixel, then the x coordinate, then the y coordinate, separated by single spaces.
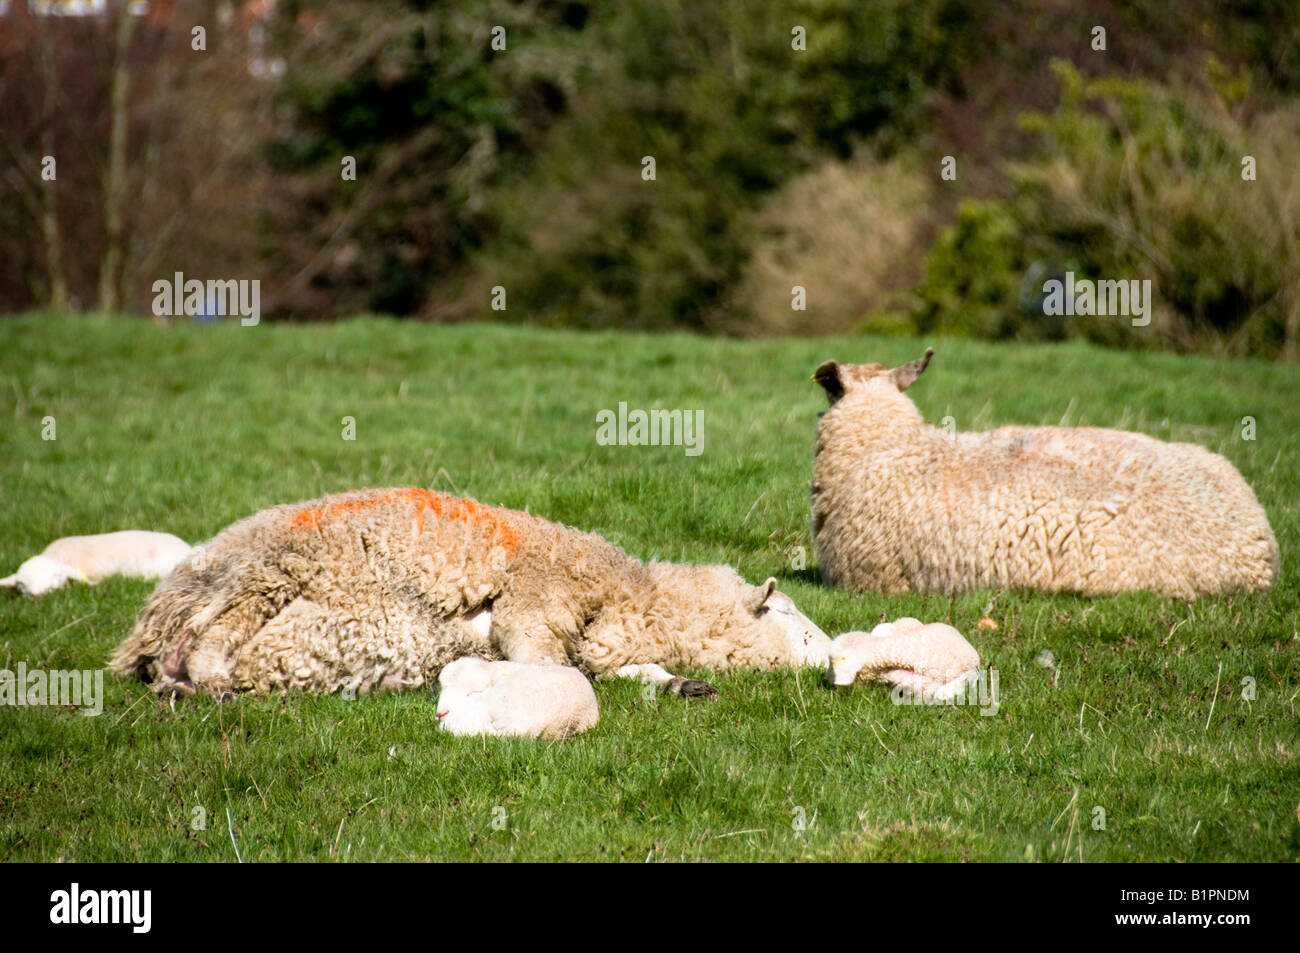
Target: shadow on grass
pixel 811 576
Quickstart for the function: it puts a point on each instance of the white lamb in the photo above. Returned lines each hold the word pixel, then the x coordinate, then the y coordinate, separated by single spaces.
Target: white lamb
pixel 130 552
pixel 478 697
pixel 932 661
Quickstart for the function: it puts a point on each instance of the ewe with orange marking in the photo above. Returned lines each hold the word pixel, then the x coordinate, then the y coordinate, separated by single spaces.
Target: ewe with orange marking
pixel 375 597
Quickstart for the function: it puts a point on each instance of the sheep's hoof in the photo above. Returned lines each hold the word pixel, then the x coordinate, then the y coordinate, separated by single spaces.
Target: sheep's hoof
pixel 691 688
pixel 173 689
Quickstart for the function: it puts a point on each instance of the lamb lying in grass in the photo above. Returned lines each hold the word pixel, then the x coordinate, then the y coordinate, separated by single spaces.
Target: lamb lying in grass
pixel 379 589
pixel 899 505
pixel 930 661
pixel 479 697
pixel 130 552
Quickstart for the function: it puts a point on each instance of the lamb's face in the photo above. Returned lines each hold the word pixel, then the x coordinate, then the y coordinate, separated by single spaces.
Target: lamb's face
pixel 842 670
pixel 798 638
pixel 462 700
pixel 847 653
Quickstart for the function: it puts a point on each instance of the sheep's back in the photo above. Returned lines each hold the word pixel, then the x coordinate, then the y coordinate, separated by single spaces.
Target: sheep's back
pixel 1083 509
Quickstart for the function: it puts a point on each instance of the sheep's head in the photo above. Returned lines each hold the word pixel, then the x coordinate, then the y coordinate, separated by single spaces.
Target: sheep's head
pixel 837 379
pixel 800 638
pixel 714 611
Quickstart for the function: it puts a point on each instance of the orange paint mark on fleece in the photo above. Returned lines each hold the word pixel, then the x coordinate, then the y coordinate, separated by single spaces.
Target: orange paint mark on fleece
pixel 443 507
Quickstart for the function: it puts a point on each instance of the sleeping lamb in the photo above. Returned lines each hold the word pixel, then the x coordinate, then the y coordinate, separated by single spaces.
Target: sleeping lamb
pixel 479 697
pixel 130 552
pixel 899 505
pixel 933 661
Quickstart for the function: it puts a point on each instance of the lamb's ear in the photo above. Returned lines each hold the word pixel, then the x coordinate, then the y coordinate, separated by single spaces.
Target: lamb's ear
pixel 905 375
pixel 758 596
pixel 828 375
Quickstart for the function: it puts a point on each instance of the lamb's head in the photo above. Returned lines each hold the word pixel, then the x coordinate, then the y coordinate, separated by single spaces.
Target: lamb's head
pixel 40 574
pixel 839 379
pixel 850 651
pixel 462 705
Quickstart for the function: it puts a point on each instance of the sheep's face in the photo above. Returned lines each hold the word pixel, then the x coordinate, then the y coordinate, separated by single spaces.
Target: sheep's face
pixel 838 379
pixel 799 639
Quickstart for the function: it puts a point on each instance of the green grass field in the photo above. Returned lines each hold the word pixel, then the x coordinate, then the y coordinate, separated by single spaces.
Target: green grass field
pixel 190 428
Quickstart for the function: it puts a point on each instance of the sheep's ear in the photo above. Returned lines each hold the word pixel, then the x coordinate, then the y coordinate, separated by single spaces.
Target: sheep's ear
pixel 905 376
pixel 828 375
pixel 758 596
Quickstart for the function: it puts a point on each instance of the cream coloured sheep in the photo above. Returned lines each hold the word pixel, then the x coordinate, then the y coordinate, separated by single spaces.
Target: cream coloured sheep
pixel 931 661
pixel 377 588
pixel 130 552
pixel 479 697
pixel 899 505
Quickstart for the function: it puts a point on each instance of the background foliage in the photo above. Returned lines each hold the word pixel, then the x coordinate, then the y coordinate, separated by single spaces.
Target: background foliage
pixel 775 167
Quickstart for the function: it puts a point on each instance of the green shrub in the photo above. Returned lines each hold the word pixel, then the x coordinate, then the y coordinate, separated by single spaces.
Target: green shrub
pixel 1134 180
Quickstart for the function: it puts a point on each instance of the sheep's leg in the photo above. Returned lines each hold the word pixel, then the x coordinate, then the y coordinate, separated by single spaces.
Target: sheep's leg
pixel 206 663
pixel 300 648
pixel 525 637
pixel 665 680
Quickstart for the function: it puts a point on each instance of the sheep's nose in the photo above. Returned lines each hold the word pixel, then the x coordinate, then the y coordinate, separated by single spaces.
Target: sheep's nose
pixel 443 713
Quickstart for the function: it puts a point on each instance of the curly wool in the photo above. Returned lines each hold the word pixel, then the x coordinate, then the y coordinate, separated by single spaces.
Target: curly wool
pixel 379 589
pixel 899 505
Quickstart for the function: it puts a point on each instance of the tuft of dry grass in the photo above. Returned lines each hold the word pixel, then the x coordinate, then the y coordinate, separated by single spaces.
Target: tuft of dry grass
pixel 851 233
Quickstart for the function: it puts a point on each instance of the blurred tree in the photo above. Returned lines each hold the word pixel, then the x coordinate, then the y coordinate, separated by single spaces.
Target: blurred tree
pixel 115 177
pixel 501 143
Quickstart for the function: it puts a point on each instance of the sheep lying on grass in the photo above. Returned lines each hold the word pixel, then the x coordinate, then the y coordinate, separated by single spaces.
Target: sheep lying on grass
pixel 478 697
pixel 130 552
pixel 899 505
pixel 930 661
pixel 379 589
